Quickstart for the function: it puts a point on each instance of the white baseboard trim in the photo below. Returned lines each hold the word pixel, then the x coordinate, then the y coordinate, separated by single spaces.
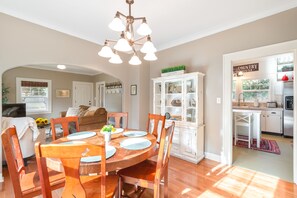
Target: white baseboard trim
pixel 1 178
pixel 213 157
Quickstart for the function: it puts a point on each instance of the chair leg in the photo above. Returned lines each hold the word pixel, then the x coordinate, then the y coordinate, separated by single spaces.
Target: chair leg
pixel 166 183
pixel 249 138
pixel 120 187
pixel 235 133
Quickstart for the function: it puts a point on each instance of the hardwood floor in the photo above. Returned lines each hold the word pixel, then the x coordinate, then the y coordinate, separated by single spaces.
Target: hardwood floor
pixel 206 179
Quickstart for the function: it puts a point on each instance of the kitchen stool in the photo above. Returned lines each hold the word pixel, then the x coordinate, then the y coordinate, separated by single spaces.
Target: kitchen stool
pixel 245 120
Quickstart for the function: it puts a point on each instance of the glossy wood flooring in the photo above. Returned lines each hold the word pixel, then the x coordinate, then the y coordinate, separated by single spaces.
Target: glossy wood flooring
pixel 206 179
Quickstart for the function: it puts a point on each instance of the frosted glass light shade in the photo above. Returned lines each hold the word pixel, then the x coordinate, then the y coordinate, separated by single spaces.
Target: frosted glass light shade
pixel 134 60
pixel 148 47
pixel 150 57
pixel 115 59
pixel 61 66
pixel 122 45
pixel 117 25
pixel 144 29
pixel 105 52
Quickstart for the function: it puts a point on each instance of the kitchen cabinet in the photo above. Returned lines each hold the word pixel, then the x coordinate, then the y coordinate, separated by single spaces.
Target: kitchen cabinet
pixel 180 98
pixel 271 121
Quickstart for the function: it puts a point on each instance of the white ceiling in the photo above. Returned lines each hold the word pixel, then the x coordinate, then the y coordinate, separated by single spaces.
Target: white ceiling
pixel 173 21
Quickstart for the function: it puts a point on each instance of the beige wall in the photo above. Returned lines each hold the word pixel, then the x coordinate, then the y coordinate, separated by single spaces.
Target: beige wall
pixel 206 55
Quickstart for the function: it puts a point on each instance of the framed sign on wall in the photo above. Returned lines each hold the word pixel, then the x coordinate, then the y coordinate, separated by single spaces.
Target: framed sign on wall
pixel 62 93
pixel 133 90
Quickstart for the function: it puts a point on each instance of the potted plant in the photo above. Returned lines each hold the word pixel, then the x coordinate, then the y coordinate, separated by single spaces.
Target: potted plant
pixel 5 92
pixel 106 130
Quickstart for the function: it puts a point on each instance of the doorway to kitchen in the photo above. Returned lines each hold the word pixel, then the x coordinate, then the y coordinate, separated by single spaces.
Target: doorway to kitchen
pixel 261 92
pixel 229 59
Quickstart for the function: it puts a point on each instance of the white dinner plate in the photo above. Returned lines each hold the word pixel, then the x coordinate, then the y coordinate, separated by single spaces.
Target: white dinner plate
pixel 117 130
pixel 135 133
pixel 81 135
pixel 110 151
pixel 135 143
pixel 72 142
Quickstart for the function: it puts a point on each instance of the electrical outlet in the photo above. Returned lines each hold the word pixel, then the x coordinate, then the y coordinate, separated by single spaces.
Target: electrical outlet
pixel 218 100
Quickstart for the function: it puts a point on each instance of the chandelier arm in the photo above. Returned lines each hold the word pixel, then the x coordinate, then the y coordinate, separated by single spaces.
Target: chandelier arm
pixel 121 14
pixel 137 43
pixel 141 38
pixel 139 18
pixel 111 41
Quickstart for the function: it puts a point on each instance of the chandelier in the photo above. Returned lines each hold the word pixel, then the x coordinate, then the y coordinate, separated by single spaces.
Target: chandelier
pixel 127 41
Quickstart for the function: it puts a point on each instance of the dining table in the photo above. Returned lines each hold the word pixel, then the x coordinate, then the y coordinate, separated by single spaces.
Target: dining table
pixel 121 156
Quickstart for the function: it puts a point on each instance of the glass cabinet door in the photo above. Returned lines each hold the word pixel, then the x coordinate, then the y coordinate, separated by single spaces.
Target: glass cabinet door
pixel 173 100
pixel 157 99
pixel 190 99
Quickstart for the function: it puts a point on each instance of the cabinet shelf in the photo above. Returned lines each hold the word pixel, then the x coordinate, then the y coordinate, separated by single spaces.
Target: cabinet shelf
pixel 174 107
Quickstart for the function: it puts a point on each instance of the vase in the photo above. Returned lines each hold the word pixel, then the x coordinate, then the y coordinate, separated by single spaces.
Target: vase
pixel 107 136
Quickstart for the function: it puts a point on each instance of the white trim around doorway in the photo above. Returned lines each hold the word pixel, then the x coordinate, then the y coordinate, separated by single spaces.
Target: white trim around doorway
pixel 228 59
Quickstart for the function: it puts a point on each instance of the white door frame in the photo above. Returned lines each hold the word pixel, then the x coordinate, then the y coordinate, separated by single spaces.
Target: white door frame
pixel 97 93
pixel 291 46
pixel 74 83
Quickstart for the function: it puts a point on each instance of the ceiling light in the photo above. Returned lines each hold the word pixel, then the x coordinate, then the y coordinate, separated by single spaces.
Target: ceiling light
pixel 150 57
pixel 61 66
pixel 115 59
pixel 106 51
pixel 134 60
pixel 127 41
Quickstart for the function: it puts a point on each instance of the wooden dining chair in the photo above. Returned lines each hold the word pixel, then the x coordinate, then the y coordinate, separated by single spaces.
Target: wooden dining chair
pixel 65 122
pixel 24 184
pixel 118 117
pixel 149 174
pixel 75 184
pixel 157 120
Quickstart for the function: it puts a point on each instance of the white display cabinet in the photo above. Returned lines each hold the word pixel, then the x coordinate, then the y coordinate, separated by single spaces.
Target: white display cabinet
pixel 180 98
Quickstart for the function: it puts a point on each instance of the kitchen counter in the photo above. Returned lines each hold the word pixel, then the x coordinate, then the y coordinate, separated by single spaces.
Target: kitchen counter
pixel 257 108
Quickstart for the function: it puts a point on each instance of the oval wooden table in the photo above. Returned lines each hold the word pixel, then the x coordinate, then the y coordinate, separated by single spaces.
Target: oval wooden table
pixel 121 159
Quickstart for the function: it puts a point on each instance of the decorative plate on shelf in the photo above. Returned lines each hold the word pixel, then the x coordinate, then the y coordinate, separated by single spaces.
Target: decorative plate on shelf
pixel 176 102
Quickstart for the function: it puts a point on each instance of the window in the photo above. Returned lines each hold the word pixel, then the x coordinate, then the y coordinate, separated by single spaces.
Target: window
pixel 256 89
pixel 36 93
pixel 234 90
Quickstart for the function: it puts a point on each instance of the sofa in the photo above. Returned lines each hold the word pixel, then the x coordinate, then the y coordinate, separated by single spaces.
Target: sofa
pixel 89 117
pixel 27 131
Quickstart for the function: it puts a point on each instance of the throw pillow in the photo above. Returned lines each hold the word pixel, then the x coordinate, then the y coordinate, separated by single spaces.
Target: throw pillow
pixel 90 113
pixel 93 108
pixel 72 111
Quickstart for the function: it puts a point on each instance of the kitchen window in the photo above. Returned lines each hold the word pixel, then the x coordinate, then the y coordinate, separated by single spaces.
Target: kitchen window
pixel 36 93
pixel 234 90
pixel 256 89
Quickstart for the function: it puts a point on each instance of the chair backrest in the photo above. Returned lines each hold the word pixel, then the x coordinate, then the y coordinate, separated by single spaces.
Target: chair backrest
pixel 243 118
pixel 14 158
pixel 118 116
pixel 64 122
pixel 70 155
pixel 164 151
pixel 156 119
